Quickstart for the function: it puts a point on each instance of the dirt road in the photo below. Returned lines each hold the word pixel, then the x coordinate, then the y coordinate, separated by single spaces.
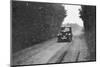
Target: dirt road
pixel 53 52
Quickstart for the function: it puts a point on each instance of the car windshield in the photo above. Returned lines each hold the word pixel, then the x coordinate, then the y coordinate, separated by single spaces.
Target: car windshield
pixel 66 29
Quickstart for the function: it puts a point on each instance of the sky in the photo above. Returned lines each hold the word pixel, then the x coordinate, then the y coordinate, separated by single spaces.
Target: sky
pixel 73 13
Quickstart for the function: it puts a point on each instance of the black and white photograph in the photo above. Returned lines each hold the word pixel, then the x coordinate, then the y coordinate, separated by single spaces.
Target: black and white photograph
pixel 45 33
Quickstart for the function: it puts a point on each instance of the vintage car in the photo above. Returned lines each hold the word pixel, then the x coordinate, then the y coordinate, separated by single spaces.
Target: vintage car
pixel 65 34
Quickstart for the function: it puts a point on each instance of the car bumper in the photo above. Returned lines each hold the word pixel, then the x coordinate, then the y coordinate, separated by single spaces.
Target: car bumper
pixel 64 40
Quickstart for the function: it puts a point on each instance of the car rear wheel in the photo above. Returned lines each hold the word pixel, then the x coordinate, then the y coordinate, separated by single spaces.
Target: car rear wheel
pixel 70 39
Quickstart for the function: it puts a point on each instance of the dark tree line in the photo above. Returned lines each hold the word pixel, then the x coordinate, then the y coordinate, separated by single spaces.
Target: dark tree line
pixel 89 18
pixel 34 23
